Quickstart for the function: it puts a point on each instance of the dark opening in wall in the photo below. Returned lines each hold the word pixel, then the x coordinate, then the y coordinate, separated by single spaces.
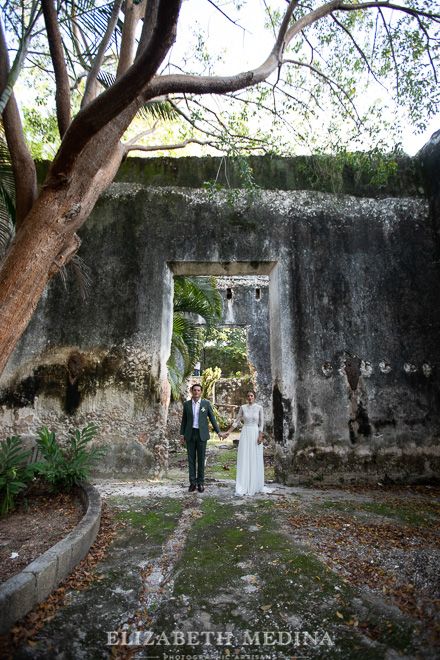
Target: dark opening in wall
pixel 258 294
pixel 229 294
pixel 277 402
pixel 73 397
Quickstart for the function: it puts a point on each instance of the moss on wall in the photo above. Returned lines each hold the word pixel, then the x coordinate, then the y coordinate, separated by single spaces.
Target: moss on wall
pixel 370 174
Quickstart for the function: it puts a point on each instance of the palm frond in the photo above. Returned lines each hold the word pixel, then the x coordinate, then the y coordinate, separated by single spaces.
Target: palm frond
pixel 153 110
pixel 192 296
pixel 7 194
pixel 106 79
pixel 91 21
pixel 82 274
pixel 197 295
pixel 158 110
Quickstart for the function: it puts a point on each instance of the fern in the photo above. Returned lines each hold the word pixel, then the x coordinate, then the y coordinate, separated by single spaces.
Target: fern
pixel 65 468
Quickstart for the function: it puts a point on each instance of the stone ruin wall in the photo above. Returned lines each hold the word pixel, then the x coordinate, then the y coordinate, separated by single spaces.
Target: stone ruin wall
pixel 353 385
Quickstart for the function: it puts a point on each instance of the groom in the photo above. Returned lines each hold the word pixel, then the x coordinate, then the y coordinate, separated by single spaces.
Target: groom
pixel 194 432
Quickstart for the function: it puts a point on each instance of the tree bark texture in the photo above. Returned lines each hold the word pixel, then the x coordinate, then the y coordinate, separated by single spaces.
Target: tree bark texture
pixel 44 241
pixel 23 166
pixel 108 105
pixel 62 93
pixel 132 16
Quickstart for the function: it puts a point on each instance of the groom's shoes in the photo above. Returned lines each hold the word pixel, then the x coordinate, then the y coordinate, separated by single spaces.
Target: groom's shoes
pixel 192 488
pixel 200 488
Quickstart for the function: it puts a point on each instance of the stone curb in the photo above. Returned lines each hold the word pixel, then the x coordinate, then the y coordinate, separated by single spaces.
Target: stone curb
pixel 22 592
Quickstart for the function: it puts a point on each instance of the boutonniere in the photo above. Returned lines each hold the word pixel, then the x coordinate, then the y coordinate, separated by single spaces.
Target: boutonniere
pixel 203 409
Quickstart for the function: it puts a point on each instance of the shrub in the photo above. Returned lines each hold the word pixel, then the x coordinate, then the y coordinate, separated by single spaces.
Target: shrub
pixel 15 473
pixel 209 378
pixel 64 468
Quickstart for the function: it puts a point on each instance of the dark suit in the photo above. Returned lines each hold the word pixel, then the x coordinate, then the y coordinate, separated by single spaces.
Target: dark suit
pixel 196 439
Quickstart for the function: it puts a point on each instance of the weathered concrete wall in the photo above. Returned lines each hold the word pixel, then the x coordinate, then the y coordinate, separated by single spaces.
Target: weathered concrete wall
pixel 355 175
pixel 353 313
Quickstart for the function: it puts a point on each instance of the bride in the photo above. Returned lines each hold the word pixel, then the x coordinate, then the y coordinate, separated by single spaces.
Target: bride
pixel 250 465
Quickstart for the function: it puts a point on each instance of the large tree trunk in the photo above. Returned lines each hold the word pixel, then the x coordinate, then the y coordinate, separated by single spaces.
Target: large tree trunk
pixel 26 270
pixel 46 239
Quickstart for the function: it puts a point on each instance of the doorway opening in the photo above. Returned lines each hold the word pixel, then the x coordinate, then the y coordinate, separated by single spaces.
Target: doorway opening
pixel 241 341
pixel 233 357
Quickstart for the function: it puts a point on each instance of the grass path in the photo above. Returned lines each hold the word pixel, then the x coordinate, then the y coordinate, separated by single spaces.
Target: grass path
pixel 299 573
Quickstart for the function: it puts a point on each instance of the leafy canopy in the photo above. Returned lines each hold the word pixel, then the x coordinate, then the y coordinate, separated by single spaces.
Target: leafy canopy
pixel 353 77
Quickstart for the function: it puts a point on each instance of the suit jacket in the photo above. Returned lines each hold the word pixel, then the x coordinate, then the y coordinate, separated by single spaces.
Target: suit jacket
pixel 205 412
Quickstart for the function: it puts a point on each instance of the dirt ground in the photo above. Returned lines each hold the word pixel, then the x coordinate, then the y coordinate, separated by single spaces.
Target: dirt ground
pixel 291 573
pixel 35 525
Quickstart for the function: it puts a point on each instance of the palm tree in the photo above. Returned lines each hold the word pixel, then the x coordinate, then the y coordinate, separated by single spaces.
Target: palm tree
pixel 192 296
pixel 7 195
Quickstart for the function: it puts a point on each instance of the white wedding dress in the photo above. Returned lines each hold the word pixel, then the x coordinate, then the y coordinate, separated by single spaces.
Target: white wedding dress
pixel 250 464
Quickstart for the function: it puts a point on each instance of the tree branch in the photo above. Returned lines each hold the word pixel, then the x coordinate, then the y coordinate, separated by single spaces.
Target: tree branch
pixel 62 87
pixel 132 17
pixel 217 136
pixel 121 95
pixel 390 41
pixel 150 20
pixel 329 80
pixel 165 147
pixel 8 82
pixel 191 122
pixel 142 134
pixel 428 49
pixel 269 13
pixel 388 5
pixel 211 2
pixel 23 166
pixel 161 85
pixel 359 50
pixel 90 90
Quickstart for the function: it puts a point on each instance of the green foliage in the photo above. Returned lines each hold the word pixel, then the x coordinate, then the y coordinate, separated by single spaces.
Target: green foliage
pixel 63 468
pixel 343 74
pixel 15 473
pixel 226 348
pixel 358 170
pixel 41 130
pixel 197 295
pixel 192 296
pixel 242 172
pixel 7 194
pixel 209 378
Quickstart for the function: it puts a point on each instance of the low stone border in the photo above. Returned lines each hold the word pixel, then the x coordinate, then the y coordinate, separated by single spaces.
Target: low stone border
pixel 22 592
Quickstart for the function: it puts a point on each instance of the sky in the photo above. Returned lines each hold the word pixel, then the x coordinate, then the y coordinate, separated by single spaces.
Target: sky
pixel 246 45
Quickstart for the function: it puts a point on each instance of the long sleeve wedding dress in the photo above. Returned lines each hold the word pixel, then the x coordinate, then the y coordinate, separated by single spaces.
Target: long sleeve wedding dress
pixel 250 464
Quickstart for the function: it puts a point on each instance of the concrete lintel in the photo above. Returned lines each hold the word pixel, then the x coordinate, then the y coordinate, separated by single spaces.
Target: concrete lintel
pixel 221 267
